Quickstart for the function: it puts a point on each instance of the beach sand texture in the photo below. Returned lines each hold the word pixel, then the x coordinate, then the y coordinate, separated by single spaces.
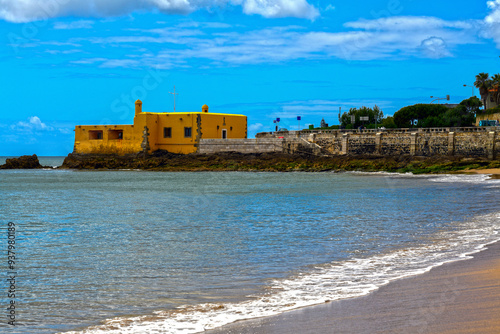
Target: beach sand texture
pixel 458 297
pixel 492 171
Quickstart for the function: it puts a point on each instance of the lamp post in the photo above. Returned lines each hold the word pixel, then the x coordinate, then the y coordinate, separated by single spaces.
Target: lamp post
pixel 440 98
pixel 472 89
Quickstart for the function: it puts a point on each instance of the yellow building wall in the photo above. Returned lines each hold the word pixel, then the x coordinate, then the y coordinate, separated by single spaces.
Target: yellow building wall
pixel 213 124
pixel 129 143
pixel 203 125
pixel 177 143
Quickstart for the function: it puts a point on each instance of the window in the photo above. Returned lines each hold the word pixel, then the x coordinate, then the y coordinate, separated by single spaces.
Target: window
pixel 187 132
pixel 95 134
pixel 167 132
pixel 115 134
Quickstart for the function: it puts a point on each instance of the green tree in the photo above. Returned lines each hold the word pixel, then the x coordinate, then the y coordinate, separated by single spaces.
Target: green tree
pixel 419 115
pixel 483 83
pixel 494 84
pixel 436 115
pixel 388 122
pixel 472 104
pixel 458 117
pixel 375 116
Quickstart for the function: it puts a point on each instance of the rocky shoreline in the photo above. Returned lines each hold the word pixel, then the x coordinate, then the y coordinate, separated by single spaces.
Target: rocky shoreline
pixel 23 162
pixel 270 162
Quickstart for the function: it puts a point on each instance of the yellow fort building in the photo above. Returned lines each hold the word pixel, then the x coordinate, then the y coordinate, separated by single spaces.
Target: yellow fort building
pixel 176 132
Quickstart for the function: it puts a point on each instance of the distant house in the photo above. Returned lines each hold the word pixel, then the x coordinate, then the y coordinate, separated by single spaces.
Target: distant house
pixel 490 99
pixel 488 117
pixel 176 132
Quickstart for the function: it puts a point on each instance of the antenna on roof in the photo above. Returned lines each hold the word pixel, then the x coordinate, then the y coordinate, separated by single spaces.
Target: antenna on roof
pixel 174 94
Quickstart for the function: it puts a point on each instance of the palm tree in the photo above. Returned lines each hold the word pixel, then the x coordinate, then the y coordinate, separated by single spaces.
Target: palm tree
pixel 483 83
pixel 495 84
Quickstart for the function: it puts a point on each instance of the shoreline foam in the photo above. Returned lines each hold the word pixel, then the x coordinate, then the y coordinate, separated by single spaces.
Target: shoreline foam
pixel 456 297
pixel 360 277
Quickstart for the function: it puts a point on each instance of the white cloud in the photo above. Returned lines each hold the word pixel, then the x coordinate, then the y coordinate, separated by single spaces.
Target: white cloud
pixel 395 38
pixel 65 131
pixel 428 36
pixel 280 8
pixel 32 10
pixel 82 24
pixel 494 5
pixel 111 63
pixel 64 52
pixel 35 127
pixel 492 21
pixel 34 123
pixel 89 61
pixel 255 127
pixel 435 47
pixel 408 23
pixel 331 107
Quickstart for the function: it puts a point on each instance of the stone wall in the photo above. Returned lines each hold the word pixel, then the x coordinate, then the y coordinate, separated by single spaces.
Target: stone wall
pixel 473 142
pixel 394 144
pixel 209 146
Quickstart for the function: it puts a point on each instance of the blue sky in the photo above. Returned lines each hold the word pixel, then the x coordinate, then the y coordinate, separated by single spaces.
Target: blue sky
pixel 73 62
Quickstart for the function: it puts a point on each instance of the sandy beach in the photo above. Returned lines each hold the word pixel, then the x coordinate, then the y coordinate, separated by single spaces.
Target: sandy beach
pixel 492 171
pixel 458 297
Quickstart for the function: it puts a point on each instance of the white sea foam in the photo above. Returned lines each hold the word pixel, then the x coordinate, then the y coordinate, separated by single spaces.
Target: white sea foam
pixel 463 178
pixel 444 178
pixel 327 282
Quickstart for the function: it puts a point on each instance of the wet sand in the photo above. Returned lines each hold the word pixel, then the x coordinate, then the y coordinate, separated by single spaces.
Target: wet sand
pixel 492 171
pixel 458 297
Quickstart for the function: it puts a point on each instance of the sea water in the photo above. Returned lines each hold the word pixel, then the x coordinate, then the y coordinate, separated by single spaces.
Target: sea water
pixel 140 252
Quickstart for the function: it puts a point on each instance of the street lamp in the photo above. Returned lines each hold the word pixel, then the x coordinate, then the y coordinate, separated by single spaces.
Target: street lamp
pixel 472 89
pixel 440 98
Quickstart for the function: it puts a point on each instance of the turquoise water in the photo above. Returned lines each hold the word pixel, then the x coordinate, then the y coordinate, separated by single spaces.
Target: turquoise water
pixel 135 251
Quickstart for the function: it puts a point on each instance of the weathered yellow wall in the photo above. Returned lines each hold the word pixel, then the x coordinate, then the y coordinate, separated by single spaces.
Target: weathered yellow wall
pixel 213 124
pixel 203 125
pixel 177 143
pixel 128 144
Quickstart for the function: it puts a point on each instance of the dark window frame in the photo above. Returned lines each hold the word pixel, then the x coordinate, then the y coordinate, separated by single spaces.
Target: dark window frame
pixel 167 132
pixel 96 134
pixel 188 132
pixel 115 134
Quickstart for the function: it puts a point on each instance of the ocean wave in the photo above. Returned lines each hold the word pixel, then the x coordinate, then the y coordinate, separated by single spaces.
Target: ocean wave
pixel 442 178
pixel 327 282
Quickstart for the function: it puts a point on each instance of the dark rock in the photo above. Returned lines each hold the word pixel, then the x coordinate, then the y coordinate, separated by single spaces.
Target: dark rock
pixel 282 162
pixel 23 162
